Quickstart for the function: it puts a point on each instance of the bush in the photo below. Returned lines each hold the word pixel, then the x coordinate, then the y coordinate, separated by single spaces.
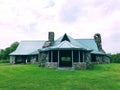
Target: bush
pixel 115 58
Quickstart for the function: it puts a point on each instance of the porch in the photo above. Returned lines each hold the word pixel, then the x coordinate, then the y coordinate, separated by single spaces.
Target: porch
pixel 23 59
pixel 64 58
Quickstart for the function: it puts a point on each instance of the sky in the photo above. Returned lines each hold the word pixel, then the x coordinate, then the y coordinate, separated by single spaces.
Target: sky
pixel 33 19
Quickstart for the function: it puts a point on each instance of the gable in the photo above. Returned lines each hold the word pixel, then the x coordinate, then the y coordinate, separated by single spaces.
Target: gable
pixel 65 45
pixel 65 37
pixel 70 40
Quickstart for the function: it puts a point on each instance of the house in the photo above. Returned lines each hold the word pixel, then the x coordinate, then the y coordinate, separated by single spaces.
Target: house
pixel 63 52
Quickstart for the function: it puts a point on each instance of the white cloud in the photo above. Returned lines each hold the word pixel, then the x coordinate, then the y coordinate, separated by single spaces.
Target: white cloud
pixel 32 19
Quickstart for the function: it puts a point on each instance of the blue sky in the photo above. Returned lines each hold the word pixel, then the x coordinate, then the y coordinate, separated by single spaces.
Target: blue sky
pixel 33 19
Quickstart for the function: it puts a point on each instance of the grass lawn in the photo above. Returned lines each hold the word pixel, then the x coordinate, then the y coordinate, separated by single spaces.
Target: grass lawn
pixel 32 77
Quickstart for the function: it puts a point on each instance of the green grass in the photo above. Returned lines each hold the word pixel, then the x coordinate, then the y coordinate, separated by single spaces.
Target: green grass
pixel 32 77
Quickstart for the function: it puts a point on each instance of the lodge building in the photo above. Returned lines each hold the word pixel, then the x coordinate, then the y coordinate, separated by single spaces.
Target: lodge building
pixel 61 53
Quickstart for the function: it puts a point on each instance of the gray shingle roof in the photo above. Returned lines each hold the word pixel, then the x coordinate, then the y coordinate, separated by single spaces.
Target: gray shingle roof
pixel 28 48
pixel 32 47
pixel 63 46
pixel 72 41
pixel 90 43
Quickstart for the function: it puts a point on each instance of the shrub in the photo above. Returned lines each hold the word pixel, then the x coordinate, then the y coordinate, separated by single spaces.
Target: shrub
pixel 115 58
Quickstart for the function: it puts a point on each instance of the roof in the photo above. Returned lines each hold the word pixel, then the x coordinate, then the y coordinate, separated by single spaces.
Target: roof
pixel 63 46
pixel 64 42
pixel 90 43
pixel 71 40
pixel 28 48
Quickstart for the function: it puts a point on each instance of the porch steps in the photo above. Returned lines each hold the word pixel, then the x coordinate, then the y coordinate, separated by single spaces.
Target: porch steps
pixel 65 68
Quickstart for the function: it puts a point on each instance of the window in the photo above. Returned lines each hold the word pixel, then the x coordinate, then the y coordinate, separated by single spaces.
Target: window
pixel 65 58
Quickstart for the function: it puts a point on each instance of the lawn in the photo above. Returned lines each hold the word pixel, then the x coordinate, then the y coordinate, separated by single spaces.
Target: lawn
pixel 32 77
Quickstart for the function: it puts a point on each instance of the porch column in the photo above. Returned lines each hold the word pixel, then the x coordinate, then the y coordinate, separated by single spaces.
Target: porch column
pixel 83 57
pixel 79 56
pixel 58 58
pixel 48 56
pixel 72 58
pixel 51 56
pixel 12 59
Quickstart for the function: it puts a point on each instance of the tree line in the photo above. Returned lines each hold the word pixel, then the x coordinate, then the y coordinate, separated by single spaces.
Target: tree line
pixel 4 53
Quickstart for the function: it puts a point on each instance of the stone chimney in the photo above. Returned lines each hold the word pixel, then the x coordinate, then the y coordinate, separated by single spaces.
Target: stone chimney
pixel 51 37
pixel 50 40
pixel 98 41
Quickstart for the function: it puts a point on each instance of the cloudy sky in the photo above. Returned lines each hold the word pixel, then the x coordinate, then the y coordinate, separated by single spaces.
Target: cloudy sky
pixel 33 19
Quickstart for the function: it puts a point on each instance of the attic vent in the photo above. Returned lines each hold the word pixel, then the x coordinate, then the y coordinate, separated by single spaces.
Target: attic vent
pixel 65 37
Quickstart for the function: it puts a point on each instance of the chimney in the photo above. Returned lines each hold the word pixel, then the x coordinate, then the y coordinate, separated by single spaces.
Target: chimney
pixel 98 41
pixel 51 37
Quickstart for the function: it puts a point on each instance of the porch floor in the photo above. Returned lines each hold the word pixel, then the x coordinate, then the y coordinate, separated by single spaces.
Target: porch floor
pixel 66 68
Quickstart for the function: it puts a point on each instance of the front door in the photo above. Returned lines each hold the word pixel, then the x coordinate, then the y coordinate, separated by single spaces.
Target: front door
pixel 65 58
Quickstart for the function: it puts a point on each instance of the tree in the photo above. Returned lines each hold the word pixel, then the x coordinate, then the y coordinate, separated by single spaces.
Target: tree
pixel 4 53
pixel 14 46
